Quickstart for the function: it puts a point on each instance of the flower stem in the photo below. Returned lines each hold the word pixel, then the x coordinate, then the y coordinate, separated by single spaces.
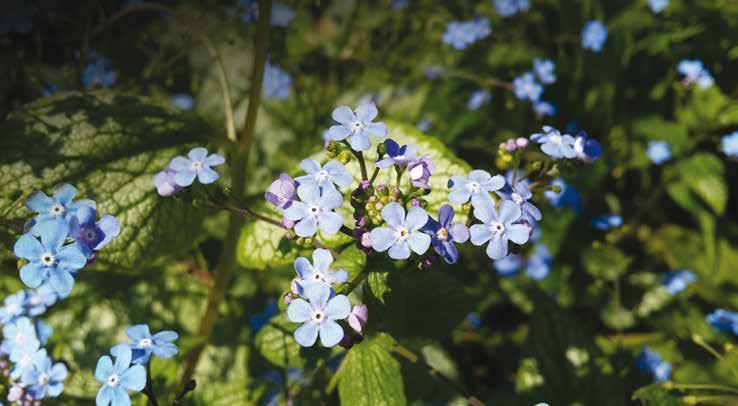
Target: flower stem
pixel 360 158
pixel 399 176
pixel 704 386
pixel 148 389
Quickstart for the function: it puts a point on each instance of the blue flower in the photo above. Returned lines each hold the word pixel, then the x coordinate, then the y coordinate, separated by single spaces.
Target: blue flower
pixel 729 144
pixel 695 72
pixel 479 182
pixel 165 183
pixel 478 98
pixel 49 259
pixel 607 221
pixel 19 333
pixel 403 232
pixel 539 263
pixel 318 315
pixel 143 344
pixel 118 379
pixel 520 194
pixel 43 331
pixel 424 124
pixel 325 176
pixel 544 108
pixel 319 272
pixel 659 152
pixel 259 320
pixel 397 155
pixel 594 36
pixel 461 34
pixel 315 209
pixel 282 191
pixel 46 379
pixel 497 227
pixel 526 87
pixel 444 234
pixel 677 281
pixel 13 307
pixel 39 299
pixel 50 90
pixel 59 208
pixel 90 236
pixel 509 265
pixel 651 362
pixel 658 6
pixel 281 16
pixel 357 125
pixel 544 69
pixel 197 164
pixel 475 320
pixel 722 320
pixel 23 357
pixel 587 149
pixel 567 197
pixel 182 101
pixel 98 72
pixel 507 8
pixel 277 82
pixel 554 144
pixel 420 171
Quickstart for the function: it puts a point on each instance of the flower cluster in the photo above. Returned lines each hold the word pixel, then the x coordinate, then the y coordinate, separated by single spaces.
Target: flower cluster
pixel 695 73
pixel 508 8
pixel 594 36
pixel 527 86
pixel 461 34
pixel 277 82
pixel 557 145
pixel 652 363
pixel 181 171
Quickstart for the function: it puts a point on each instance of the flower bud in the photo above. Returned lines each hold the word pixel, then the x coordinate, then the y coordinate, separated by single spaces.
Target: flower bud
pixel 288 298
pixel 346 342
pixel 381 149
pixel 344 157
pixel 415 202
pixel 358 318
pixel 288 224
pixel 366 240
pixel 521 142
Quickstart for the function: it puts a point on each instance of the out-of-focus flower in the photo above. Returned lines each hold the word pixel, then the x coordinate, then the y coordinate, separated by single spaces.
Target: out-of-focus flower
pixel 659 152
pixel 526 87
pixel 277 82
pixel 651 362
pixel 677 281
pixel 594 36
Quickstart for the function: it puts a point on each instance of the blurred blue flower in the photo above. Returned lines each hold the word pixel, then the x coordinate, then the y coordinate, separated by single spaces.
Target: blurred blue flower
pixel 318 315
pixel 165 183
pixel 478 98
pixel 98 72
pixel 39 299
pixel 544 69
pixel 497 226
pixel 526 87
pixel 397 155
pixel 651 362
pixel 461 34
pixel 544 108
pixel 281 16
pixel 509 265
pixel 90 236
pixel 554 144
pixel 19 333
pixel 507 8
pixel 594 36
pixel 197 165
pixel 695 72
pixel 143 344
pixel 333 172
pixel 607 221
pixel 475 320
pixel 434 72
pixel 677 281
pixel 444 234
pixel 43 331
pixel 357 125
pixel 424 124
pixel 479 182
pixel 182 101
pixel 659 152
pixel 46 379
pixel 315 209
pixel 319 271
pixel 729 144
pixel 60 208
pixel 23 357
pixel 539 263
pixel 567 197
pixel 50 89
pixel 117 379
pixel 259 320
pixel 658 6
pixel 587 149
pixel 722 320
pixel 403 233
pixel 277 82
pixel 12 307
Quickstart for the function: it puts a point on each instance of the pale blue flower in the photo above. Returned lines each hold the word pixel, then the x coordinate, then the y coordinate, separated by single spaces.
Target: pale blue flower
pixel 197 165
pixel 182 101
pixel 461 34
pixel 594 36
pixel 539 263
pixel 46 379
pixel 319 271
pixel 119 378
pixel 729 144
pixel 695 73
pixel 58 208
pixel 357 126
pixel 658 6
pixel 319 314
pixel 277 82
pixel 19 333
pixel 544 69
pixel 12 307
pixel 544 108
pixel 39 299
pixel 99 72
pixel 315 209
pixel 479 182
pixel 326 176
pixel 23 357
pixel 659 152
pixel 526 87
pixel 444 234
pixel 507 8
pixel 554 144
pixel 282 191
pixel 165 183
pixel 478 98
pixel 677 281
pixel 520 194
pixel 509 265
pixel 143 344
pixel 497 227
pixel 567 197
pixel 397 155
pixel 403 233
pixel 651 362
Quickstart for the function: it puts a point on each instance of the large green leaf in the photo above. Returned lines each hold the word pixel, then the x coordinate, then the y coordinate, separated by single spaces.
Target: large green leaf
pixel 371 376
pixel 277 344
pixel 109 146
pixel 701 175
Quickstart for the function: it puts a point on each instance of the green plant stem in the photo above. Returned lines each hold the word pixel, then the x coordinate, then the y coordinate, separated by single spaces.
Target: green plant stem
pixel 398 171
pixel 359 158
pixel 699 341
pixel 374 175
pixel 700 386
pixel 148 389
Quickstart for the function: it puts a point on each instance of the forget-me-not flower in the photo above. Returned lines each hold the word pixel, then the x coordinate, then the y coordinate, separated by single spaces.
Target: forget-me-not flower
pixel 568 196
pixel 695 72
pixel 607 221
pixel 554 144
pixel 143 344
pixel 19 333
pixel 509 265
pixel 651 362
pixel 319 271
pixel 497 227
pixel 45 379
pixel 677 281
pixel 478 98
pixel 90 236
pixel 117 379
pixel 331 173
pixel 729 144
pixel 282 191
pixel 658 6
pixel 315 209
pixel 544 69
pixel 478 182
pixel 526 87
pixel 520 194
pixel 98 72
pixel 23 357
pixel 319 314
pixel 594 36
pixel 277 82
pixel 658 152
pixel 403 233
pixel 39 299
pixel 197 165
pixel 461 34
pixel 165 183
pixel 539 263
pixel 357 126
pixel 420 171
pixel 60 207
pixel 507 8
pixel 12 307
pixel 182 101
pixel 587 149
pixel 358 318
pixel 544 108
pixel 722 320
pixel 444 234
pixel 397 155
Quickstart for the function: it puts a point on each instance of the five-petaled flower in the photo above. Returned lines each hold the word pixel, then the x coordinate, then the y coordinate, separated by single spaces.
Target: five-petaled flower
pixel 397 155
pixel 554 144
pixel 315 209
pixel 319 272
pixel 19 333
pixel 357 126
pixel 526 87
pixel 45 379
pixel 319 314
pixel 497 227
pixel 479 182
pixel 90 236
pixel 403 233
pixel 444 234
pixel 117 379
pixel 13 307
pixel 143 344
pixel 197 164
pixel 333 172
pixel 544 69
pixel 60 208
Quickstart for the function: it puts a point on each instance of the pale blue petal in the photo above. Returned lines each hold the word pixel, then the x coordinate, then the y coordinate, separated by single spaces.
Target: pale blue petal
pixel 459 232
pixel 330 222
pixel 306 227
pixel 110 226
pixel 303 268
pixel 310 166
pixel 85 215
pixel 377 129
pixel 64 193
pixel 340 276
pixel 480 234
pixel 165 350
pixel 532 210
pixel 121 397
pixel 330 333
pixel 53 233
pixel 165 336
pixel 214 160
pixel 138 332
pixel 366 112
pixel 360 141
pixel 385 163
pixel 484 209
pixel 308 193
pixel 122 360
pixel 71 258
pixel 59 372
pixel 104 368
pixel 197 154
pixel 61 281
pixel 322 259
pixel 55 389
pixel 185 177
pixel 180 164
pixel 318 294
pixel 480 176
pixel 134 378
pixel 306 334
pixel 399 250
pixel 496 183
pixel 39 202
pixel 104 395
pixel 509 212
pixel 416 218
pixel 338 308
pixel 28 247
pixel 517 233
pixel 343 115
pixel 331 199
pixel 419 242
pixel 459 196
pixel 394 214
pixel 382 238
pixel 299 311
pixel 497 248
pixel 296 211
pixel 338 132
pixel 207 176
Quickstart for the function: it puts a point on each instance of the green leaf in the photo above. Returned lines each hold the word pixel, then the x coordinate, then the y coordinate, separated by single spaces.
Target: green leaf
pixel 702 176
pixel 351 259
pixel 655 395
pixel 276 343
pixel 263 245
pixel 371 376
pixel 605 261
pixel 109 146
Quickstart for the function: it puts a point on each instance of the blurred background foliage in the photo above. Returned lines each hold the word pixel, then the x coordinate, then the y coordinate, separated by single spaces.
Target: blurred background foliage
pixel 571 338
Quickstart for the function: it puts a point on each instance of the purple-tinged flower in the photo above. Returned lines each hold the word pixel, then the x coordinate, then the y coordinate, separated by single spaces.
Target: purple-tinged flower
pixel 479 182
pixel 607 221
pixel 19 333
pixel 444 234
pixel 658 6
pixel 520 194
pixel 357 126
pixel 39 299
pixel 403 232
pixel 461 34
pixel 509 265
pixel 694 72
pixel 182 101
pixel 497 227
pixel 358 318
pixel 196 165
pixel 319 314
pixel 164 182
pixel 59 208
pixel 282 191
pixel 526 87
pixel 277 82
pixel 48 259
pixel 397 155
pixel 478 98
pixel 539 263
pixel 23 356
pixel 554 144
pixel 544 108
pixel 544 69
pixel 315 209
pixel 594 36
pixel 143 344
pixel 117 379
pixel 722 320
pixel 651 362
pixel 319 271
pixel 587 149
pixel 508 8
pixel 46 379
pixel 658 152
pixel 729 144
pixel 677 281
pixel 420 171
pixel 12 307
pixel 90 236
pixel 325 176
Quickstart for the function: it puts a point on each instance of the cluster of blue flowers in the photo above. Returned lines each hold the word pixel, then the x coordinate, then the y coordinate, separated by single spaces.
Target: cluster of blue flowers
pixel 99 72
pixel 557 145
pixel 508 8
pixel 594 36
pixel 695 73
pixel 527 86
pixel 277 82
pixel 461 34
pixel 181 171
pixel 652 363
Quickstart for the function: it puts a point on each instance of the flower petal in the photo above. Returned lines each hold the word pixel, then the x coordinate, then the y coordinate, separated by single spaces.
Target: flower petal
pixel 400 250
pixel 377 129
pixel 296 211
pixel 299 311
pixel 480 176
pixel 180 163
pixel 322 259
pixel 309 193
pixel 121 397
pixel 330 333
pixel 445 215
pixel 360 141
pixel 165 350
pixel 39 202
pixel 459 196
pixel 122 360
pixel 484 209
pixel 165 336
pixel 306 227
pixel 134 378
pixel 517 233
pixel 104 368
pixel 318 294
pixel 330 199
pixel 394 214
pixel 532 210
pixel 509 212
pixel 330 222
pixel 207 176
pixel 138 332
pixel 110 226
pixel 61 281
pixel 197 154
pixel 338 132
pixel 497 248
pixel 306 334
pixel 496 183
pixel 28 247
pixel 343 115
pixel 459 232
pixel 214 160
pixel 416 218
pixel 310 166
pixel 366 112
pixel 64 193
pixel 185 177
pixel 480 234
pixel 419 242
pixel 382 238
pixel 303 268
pixel 33 274
pixel 338 308
pixel 53 233
pixel 104 395
pixel 71 258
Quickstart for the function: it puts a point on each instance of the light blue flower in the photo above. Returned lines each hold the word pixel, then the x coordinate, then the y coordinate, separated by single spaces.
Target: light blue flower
pixel 594 36
pixel 46 379
pixel 677 281
pixel 315 209
pixel 695 72
pixel 729 144
pixel 539 263
pixel 544 69
pixel 478 98
pixel 331 173
pixel 526 87
pixel 520 194
pixel 19 333
pixel 658 152
pixel 651 362
pixel 12 307
pixel 497 227
pixel 319 314
pixel 39 299
pixel 98 72
pixel 554 144
pixel 607 221
pixel 319 271
pixel 544 108
pixel 722 320
pixel 658 6
pixel 23 357
pixel 424 124
pixel 397 155
pixel 461 34
pixel 43 331
pixel 479 182
pixel 90 236
pixel 509 265
pixel 117 379
pixel 182 101
pixel 197 164
pixel 277 82
pixel 59 208
pixel 49 259
pixel 143 344
pixel 507 8
pixel 357 126
pixel 403 232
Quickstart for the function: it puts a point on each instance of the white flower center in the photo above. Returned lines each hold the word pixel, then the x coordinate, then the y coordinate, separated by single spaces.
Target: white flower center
pixel 47 259
pixel 57 210
pixel 497 228
pixel 43 379
pixel 35 300
pixel 113 380
pixel 322 175
pixel 145 343
pixel 402 233
pixel 517 198
pixel 20 338
pixel 442 233
pixel 315 211
pixel 556 139
pixel 474 187
pixel 357 126
pixel 12 308
pixel 318 316
pixel 318 276
pixel 197 166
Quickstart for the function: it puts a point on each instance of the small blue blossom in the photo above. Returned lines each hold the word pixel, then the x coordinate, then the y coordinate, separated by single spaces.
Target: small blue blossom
pixel 19 334
pixel 554 144
pixel 357 125
pixel 475 320
pixel 695 72
pixel 722 320
pixel 497 227
pixel 59 208
pixel 729 144
pixel 479 182
pixel 259 320
pixel 526 87
pixel 23 357
pixel 658 6
pixel 539 263
pixel 567 197
pixel 315 209
pixel 117 379
pixel 90 236
pixel 43 331
pixel 143 344
pixel 99 72
pixel 197 165
pixel 509 265
pixel 46 379
pixel 403 233
pixel 651 362
pixel 182 101
pixel 12 307
pixel 277 82
pixel 424 124
pixel 607 221
pixel 282 191
pixel 39 299
pixel 594 36
pixel 461 34
pixel 319 271
pixel 544 69
pixel 165 183
pixel 478 98
pixel 434 72
pixel 397 155
pixel 544 108
pixel 587 149
pixel 677 281
pixel 520 194
pixel 507 8
pixel 659 152
pixel 319 314
pixel 281 16
pixel 49 259
pixel 444 234
pixel 326 176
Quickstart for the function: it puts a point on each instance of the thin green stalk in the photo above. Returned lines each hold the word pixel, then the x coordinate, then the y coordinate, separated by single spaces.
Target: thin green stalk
pixel 700 386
